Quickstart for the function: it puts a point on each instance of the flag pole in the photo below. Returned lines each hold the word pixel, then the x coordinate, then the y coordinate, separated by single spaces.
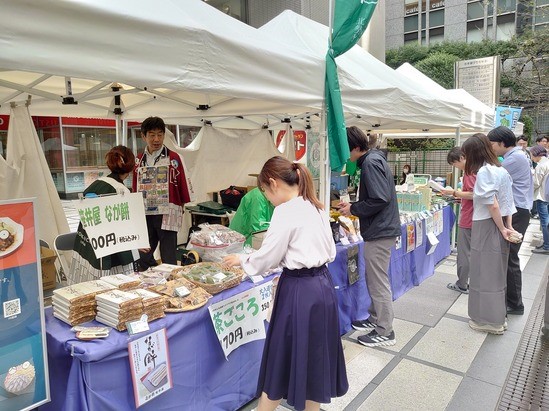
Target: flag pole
pixel 325 174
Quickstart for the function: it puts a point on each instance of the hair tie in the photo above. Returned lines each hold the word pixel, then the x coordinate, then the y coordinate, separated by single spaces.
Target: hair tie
pixel 294 166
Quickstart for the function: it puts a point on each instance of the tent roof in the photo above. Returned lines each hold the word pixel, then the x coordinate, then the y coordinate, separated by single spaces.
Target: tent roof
pixel 474 113
pixel 169 61
pixel 369 88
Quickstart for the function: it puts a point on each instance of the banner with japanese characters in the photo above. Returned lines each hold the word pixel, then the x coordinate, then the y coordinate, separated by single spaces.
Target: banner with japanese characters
pixel 24 381
pixel 114 223
pixel 239 319
pixel 150 366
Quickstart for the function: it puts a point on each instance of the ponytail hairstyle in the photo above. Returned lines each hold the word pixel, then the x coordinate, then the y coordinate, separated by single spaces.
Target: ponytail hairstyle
pixel 279 168
pixel 120 160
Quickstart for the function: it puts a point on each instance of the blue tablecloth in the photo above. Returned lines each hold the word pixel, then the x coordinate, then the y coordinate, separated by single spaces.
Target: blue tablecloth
pixel 95 375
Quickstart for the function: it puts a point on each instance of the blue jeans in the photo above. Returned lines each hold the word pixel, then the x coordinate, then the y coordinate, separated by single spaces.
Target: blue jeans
pixel 544 221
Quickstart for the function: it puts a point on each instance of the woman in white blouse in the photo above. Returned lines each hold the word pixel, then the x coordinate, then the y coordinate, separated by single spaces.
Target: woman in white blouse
pixel 493 208
pixel 303 358
pixel 541 173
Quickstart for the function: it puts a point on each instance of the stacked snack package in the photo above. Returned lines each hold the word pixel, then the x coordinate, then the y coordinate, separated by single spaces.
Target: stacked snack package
pixel 153 303
pixel 76 304
pixel 122 281
pixel 115 308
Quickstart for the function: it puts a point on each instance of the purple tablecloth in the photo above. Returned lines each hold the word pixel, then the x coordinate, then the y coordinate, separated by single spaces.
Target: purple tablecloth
pixel 95 375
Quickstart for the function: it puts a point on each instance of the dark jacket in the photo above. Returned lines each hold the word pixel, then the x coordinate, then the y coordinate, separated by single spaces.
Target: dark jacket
pixel 377 207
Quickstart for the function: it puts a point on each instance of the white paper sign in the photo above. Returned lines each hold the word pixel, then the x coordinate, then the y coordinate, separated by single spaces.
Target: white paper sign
pixel 150 366
pixel 114 223
pixel 239 319
pixel 433 242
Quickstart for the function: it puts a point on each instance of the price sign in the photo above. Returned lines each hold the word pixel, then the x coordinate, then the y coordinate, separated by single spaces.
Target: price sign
pixel 239 320
pixel 114 223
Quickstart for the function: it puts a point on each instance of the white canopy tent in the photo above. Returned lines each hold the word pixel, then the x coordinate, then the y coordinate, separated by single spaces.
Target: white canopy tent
pixel 478 115
pixel 180 60
pixel 374 95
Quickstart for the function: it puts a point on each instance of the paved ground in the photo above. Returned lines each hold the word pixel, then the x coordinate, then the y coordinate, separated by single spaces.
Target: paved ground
pixel 438 363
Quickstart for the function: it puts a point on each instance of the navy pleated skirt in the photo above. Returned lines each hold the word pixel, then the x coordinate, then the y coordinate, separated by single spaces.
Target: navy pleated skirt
pixel 303 357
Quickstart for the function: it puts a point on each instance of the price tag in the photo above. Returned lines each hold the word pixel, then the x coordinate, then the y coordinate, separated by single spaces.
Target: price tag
pixel 138 326
pixel 182 291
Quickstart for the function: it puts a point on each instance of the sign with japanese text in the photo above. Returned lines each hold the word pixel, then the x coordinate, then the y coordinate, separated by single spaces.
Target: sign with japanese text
pixel 479 77
pixel 114 223
pixel 300 143
pixel 239 319
pixel 24 383
pixel 150 366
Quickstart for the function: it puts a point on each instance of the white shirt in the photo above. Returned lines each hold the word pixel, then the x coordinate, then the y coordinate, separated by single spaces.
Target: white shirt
pixel 541 173
pixel 151 157
pixel 492 182
pixel 299 237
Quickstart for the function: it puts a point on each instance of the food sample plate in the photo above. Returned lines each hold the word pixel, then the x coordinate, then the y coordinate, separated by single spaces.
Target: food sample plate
pixel 11 236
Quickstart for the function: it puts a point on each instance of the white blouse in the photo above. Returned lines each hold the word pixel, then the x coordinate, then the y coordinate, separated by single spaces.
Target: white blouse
pixel 299 237
pixel 492 182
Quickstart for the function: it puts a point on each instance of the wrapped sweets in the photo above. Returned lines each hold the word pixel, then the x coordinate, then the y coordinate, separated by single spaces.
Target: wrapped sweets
pixel 76 304
pixel 122 281
pixel 115 308
pixel 153 303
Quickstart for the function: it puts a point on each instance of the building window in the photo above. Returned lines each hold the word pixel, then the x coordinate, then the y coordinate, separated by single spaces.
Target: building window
pixel 87 147
pixel 475 10
pixel 505 27
pixel 436 19
pixel 506 6
pixel 410 23
pixel 233 8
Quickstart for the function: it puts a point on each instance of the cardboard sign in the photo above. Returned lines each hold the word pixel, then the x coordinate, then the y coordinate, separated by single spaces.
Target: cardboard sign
pixel 239 319
pixel 114 223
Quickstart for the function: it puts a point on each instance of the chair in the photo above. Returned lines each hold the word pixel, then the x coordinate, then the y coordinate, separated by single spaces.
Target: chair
pixel 63 246
pixel 43 243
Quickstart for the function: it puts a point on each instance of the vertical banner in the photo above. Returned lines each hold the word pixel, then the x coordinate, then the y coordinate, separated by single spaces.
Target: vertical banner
pixel 507 116
pixel 23 363
pixel 351 17
pixel 150 366
pixel 239 319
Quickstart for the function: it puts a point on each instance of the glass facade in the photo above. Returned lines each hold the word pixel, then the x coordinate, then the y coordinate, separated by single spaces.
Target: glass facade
pixel 433 11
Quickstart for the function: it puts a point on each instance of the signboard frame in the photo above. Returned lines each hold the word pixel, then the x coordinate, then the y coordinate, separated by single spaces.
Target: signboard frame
pixel 473 75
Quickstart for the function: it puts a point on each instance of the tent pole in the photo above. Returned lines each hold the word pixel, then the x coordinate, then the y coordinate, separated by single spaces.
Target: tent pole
pixel 325 173
pixel 118 129
pixel 455 183
pixel 124 133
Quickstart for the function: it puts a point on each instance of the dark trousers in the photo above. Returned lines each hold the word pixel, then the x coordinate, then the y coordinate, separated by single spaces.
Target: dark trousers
pixel 521 219
pixel 168 244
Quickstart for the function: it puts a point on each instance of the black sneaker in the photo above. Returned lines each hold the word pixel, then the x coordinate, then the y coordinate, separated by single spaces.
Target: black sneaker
pixel 363 325
pixel 375 340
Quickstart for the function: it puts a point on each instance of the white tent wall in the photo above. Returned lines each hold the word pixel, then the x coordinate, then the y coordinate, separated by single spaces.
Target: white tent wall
pixel 218 158
pixel 25 174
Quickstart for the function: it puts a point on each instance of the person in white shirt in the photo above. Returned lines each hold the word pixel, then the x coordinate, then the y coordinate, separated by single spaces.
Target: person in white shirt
pixel 492 230
pixel 541 173
pixel 303 357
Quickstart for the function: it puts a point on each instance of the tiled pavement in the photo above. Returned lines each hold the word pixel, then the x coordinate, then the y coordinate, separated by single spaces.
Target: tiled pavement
pixel 438 363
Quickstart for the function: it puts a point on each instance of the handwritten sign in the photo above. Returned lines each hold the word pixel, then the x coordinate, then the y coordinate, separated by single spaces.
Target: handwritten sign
pixel 239 320
pixel 150 366
pixel 114 223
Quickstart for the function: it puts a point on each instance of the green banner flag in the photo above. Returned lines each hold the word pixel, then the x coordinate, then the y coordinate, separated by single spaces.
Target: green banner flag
pixel 351 17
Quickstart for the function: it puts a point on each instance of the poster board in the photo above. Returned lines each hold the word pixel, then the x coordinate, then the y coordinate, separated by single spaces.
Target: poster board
pixel 24 382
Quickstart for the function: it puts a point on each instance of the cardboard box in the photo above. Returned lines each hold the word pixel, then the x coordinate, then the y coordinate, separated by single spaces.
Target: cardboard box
pixel 47 259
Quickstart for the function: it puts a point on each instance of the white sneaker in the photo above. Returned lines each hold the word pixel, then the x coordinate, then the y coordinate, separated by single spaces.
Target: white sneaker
pixel 487 328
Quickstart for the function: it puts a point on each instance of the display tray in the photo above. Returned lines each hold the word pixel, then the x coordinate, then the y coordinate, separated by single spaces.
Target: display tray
pixel 190 272
pixel 197 298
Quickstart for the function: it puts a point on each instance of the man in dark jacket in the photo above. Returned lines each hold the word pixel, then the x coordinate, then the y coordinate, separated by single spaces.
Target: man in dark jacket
pixel 377 210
